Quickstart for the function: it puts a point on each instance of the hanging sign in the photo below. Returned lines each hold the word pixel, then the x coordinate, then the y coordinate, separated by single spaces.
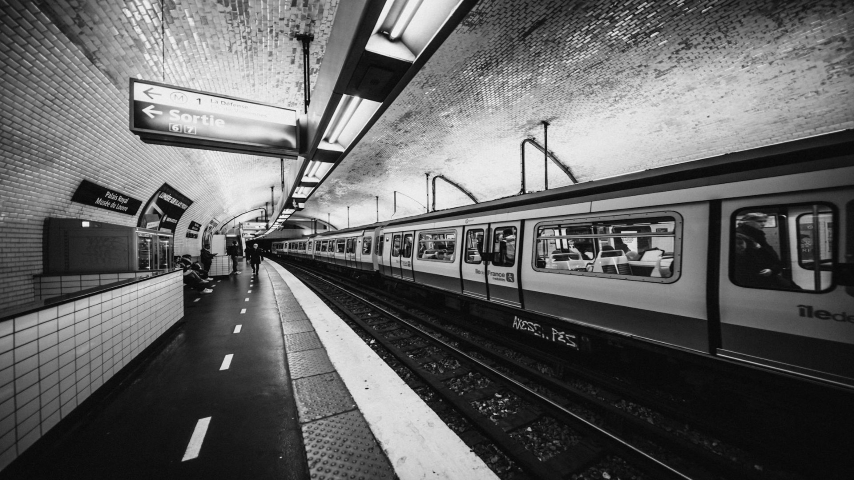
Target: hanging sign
pixel 94 195
pixel 169 115
pixel 194 226
pixel 164 209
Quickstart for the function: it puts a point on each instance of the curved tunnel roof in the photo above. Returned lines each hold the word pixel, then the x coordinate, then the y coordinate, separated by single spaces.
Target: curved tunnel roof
pixel 625 86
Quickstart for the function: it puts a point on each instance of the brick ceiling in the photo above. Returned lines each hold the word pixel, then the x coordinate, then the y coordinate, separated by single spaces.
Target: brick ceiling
pixel 626 85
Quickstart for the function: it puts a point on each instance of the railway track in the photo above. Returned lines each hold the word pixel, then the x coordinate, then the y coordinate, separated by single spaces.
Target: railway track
pixel 518 416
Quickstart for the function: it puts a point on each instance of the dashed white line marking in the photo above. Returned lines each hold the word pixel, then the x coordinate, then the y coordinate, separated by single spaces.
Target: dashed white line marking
pixel 197 439
pixel 246 299
pixel 196 300
pixel 237 328
pixel 242 310
pixel 226 362
pixel 250 291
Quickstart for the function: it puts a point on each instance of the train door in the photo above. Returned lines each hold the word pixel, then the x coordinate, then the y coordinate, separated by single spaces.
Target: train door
pixel 473 266
pixel 407 269
pixel 785 275
pixel 382 253
pixel 350 253
pixel 503 266
pixel 395 253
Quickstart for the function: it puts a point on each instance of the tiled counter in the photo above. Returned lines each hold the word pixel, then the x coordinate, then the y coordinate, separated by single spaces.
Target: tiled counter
pixel 47 286
pixel 53 357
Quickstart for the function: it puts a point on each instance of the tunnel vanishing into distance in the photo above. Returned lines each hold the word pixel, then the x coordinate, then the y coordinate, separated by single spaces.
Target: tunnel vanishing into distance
pixel 371 102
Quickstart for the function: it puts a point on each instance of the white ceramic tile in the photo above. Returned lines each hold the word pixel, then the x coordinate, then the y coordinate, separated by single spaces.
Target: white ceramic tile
pixel 26 321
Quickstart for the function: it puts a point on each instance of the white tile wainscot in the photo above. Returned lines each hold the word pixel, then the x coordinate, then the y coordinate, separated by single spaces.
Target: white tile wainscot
pixel 53 358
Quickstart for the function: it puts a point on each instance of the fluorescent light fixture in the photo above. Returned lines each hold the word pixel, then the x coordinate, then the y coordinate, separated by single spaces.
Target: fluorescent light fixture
pixel 303 191
pixel 404 16
pixel 351 116
pixel 316 170
pixel 85 224
pixel 404 29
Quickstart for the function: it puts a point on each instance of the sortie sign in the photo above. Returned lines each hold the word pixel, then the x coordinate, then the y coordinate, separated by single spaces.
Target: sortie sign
pixel 168 115
pixel 94 195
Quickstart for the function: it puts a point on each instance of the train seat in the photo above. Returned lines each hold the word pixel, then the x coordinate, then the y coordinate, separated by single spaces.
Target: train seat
pixel 613 262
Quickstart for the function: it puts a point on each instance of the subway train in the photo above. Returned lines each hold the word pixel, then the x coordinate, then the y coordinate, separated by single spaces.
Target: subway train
pixel 746 257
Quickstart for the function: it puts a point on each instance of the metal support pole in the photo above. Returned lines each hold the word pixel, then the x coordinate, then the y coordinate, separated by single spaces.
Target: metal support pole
pixel 348 216
pixel 546 153
pixel 327 221
pixel 378 208
pixel 305 39
pixel 427 189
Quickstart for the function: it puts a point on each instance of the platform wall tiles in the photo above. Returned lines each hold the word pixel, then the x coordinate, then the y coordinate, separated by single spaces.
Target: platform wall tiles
pixel 53 359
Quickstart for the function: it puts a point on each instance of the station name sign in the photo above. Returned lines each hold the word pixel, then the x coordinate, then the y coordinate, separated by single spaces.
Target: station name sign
pixel 94 195
pixel 169 115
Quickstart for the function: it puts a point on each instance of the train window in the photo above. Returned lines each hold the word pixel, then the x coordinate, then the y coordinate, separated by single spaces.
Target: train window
pixel 504 246
pixel 366 245
pixel 339 246
pixel 407 246
pixel 437 246
pixel 789 247
pixel 395 246
pixel 474 246
pixel 380 244
pixel 642 248
pixel 351 245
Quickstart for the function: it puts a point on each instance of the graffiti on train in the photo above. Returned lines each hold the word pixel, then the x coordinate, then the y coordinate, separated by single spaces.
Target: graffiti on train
pixel 548 333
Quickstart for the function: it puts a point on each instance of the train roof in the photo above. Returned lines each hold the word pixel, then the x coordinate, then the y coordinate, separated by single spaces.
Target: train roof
pixel 813 153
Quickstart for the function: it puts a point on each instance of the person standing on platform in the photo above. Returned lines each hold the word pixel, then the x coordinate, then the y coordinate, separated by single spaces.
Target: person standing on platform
pixel 233 251
pixel 207 257
pixel 254 256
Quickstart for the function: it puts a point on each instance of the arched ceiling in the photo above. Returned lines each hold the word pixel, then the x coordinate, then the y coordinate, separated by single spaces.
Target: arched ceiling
pixel 624 85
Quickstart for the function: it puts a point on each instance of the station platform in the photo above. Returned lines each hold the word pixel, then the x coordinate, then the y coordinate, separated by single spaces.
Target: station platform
pixel 259 380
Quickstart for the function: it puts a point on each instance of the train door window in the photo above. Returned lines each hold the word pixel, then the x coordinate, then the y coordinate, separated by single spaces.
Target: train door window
pixel 339 246
pixel 395 249
pixel 438 246
pixel 474 246
pixel 379 247
pixel 351 245
pixel 407 245
pixel 366 245
pixel 788 247
pixel 504 246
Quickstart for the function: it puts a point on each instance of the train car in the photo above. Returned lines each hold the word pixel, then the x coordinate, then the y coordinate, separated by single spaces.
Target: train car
pixel 277 249
pixel 747 257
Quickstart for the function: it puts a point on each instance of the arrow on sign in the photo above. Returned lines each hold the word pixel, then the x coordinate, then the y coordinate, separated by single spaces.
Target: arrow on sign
pixel 150 93
pixel 149 110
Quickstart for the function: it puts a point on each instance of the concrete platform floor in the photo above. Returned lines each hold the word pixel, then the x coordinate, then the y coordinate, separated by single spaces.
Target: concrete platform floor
pixel 143 426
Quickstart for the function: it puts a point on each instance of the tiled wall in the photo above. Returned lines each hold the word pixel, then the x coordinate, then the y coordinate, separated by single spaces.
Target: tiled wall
pixel 47 286
pixel 52 137
pixel 53 359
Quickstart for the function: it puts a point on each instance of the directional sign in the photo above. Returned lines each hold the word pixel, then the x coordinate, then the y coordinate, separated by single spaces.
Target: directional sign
pixel 165 114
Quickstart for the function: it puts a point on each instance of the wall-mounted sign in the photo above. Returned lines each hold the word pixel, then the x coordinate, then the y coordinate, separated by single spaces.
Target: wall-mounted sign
pixel 192 235
pixel 254 226
pixel 164 209
pixel 94 195
pixel 194 226
pixel 168 115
